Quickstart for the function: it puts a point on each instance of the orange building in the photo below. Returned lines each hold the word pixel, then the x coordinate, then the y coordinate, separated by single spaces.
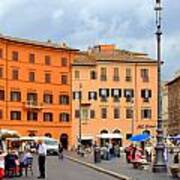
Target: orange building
pixel 35 88
pixel 116 92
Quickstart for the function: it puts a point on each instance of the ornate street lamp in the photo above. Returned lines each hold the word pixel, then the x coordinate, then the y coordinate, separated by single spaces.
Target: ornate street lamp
pixel 159 163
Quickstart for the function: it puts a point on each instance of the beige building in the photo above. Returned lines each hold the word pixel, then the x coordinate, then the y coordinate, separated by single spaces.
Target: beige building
pixel 116 91
pixel 174 106
pixel 165 114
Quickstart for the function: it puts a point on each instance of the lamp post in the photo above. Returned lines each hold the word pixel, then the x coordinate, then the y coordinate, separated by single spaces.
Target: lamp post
pixel 159 163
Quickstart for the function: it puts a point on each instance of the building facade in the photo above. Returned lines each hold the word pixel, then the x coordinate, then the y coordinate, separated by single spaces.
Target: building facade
pixel 174 106
pixel 165 114
pixel 35 88
pixel 116 92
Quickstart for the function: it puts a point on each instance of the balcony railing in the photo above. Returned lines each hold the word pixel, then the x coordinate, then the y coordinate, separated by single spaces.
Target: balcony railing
pixel 33 105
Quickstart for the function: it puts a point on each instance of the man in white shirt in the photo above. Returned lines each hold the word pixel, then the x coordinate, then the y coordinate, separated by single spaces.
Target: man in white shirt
pixel 42 151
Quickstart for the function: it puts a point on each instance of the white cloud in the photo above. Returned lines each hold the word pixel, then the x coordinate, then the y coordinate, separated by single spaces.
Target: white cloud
pixel 129 24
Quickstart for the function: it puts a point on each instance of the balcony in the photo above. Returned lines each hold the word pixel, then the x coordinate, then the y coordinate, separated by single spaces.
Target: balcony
pixel 33 105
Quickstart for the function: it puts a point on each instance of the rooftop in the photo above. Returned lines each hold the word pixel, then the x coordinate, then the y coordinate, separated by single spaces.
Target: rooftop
pixel 110 53
pixel 48 44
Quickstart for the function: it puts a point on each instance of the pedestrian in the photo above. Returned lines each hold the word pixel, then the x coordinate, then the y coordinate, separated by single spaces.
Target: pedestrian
pixel 42 152
pixel 60 149
pixel 2 164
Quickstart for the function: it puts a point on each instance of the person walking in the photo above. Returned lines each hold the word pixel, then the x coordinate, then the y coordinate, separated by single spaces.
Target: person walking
pixel 60 149
pixel 42 152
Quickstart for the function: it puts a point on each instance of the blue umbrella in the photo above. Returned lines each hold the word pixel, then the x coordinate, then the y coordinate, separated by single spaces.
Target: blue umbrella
pixel 140 137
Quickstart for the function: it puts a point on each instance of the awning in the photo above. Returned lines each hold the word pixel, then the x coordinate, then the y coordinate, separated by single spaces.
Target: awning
pixel 87 138
pixel 110 136
pixel 7 131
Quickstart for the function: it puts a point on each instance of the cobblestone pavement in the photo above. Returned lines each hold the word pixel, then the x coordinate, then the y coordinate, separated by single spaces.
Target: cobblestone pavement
pixel 65 170
pixel 119 165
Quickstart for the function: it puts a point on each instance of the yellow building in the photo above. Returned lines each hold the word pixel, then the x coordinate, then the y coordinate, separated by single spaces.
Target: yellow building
pixel 116 92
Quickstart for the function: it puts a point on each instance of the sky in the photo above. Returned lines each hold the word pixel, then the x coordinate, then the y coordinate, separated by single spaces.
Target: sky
pixel 81 24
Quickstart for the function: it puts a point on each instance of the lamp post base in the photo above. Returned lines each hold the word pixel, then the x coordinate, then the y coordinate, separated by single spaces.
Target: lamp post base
pixel 160 165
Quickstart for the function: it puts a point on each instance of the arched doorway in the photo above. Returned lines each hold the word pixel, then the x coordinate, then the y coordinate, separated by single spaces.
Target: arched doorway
pixel 48 135
pixel 147 132
pixel 32 134
pixel 64 140
pixel 117 140
pixel 103 141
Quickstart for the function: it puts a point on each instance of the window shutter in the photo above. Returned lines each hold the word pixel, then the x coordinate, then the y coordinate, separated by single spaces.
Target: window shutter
pixel 107 92
pixel 74 95
pixel 89 95
pixel 132 93
pixel 143 93
pixel 119 92
pixel 150 93
pixel 95 94
pixel 112 92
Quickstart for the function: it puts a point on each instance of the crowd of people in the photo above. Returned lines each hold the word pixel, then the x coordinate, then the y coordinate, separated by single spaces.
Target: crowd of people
pixel 16 162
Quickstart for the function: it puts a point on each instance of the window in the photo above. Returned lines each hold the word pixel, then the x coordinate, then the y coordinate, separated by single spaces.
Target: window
pixel 116 74
pixel 32 76
pixel 32 116
pixel 128 75
pixel 103 74
pixel 129 113
pixel 15 56
pixel 48 98
pixel 15 115
pixel 84 114
pixel 47 77
pixel 103 113
pixel 64 62
pixel 77 95
pixel 116 113
pixel 128 94
pixel 64 79
pixel 64 99
pixel 116 94
pixel 77 74
pixel 146 94
pixel 77 113
pixel 92 95
pixel 93 75
pixel 1 72
pixel 15 96
pixel 64 117
pixel 15 74
pixel 31 58
pixel 1 95
pixel 92 114
pixel 1 53
pixel 104 93
pixel 47 60
pixel 1 114
pixel 32 98
pixel 145 75
pixel 146 113
pixel 48 117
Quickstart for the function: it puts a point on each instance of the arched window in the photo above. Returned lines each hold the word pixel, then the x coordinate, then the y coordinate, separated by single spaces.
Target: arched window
pixel 48 135
pixel 117 131
pixel 104 131
pixel 147 132
pixel 64 117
